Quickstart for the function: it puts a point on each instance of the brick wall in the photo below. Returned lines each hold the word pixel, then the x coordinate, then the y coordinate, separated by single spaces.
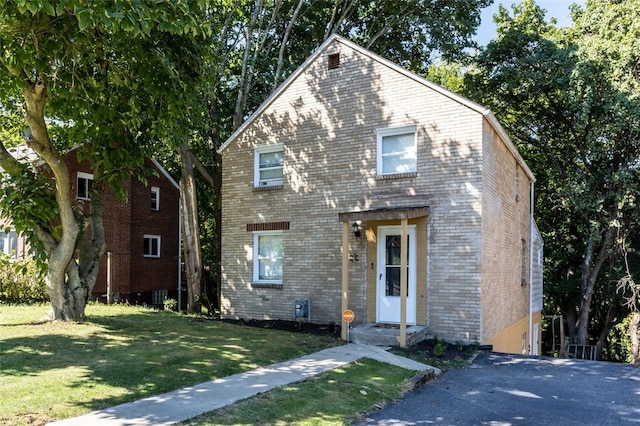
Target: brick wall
pixel 135 277
pixel 327 121
pixel 505 237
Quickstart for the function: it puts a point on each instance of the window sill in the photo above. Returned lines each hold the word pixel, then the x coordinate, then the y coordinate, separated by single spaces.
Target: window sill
pixel 267 285
pixel 397 176
pixel 268 188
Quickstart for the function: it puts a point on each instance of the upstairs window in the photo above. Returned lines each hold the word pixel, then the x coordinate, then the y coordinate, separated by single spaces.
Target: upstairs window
pixel 155 198
pixel 151 246
pixel 85 182
pixel 397 150
pixel 268 166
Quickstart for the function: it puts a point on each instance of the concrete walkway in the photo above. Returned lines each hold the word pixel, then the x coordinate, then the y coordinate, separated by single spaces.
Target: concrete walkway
pixel 182 404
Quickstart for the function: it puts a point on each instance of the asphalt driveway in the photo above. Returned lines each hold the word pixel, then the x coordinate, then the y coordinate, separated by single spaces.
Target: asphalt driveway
pixel 500 389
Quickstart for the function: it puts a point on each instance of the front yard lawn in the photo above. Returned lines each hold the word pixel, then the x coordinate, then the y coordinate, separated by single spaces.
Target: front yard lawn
pixel 57 370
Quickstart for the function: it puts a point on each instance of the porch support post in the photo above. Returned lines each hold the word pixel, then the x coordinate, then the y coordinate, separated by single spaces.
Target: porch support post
pixel 345 277
pixel 403 283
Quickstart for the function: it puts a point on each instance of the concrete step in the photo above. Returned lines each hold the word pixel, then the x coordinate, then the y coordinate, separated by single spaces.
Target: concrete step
pixel 386 334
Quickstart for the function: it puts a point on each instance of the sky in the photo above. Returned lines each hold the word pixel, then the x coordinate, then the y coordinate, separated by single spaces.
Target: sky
pixel 558 9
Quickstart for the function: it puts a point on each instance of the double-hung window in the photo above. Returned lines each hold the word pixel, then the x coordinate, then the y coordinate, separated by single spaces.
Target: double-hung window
pixel 151 246
pixel 268 166
pixel 267 257
pixel 9 243
pixel 397 150
pixel 155 198
pixel 85 182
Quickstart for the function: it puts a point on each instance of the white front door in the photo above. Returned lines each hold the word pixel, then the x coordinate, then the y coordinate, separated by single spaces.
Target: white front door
pixel 388 286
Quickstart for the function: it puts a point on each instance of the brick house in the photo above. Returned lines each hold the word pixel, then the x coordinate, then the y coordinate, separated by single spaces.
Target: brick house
pixel 359 185
pixel 142 235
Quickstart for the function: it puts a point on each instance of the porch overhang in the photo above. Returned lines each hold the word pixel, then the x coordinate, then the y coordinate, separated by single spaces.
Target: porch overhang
pixel 385 214
pixel 403 214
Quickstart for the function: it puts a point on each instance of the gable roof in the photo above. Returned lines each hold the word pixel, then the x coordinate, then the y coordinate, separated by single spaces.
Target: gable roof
pixel 488 115
pixel 25 154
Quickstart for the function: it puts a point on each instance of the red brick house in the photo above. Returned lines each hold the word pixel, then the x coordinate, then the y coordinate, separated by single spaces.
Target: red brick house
pixel 142 234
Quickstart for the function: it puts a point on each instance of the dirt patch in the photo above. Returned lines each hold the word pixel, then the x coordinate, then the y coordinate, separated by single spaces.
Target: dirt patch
pixel 439 353
pixel 292 326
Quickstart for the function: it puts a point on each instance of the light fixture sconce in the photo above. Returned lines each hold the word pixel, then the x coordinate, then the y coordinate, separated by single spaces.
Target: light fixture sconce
pixel 357 230
pixel 27 135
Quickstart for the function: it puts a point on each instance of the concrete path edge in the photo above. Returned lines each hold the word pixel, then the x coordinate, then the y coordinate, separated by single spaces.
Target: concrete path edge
pixel 189 402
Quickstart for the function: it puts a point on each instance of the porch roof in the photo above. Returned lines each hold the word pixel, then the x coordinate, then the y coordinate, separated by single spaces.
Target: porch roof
pixel 385 214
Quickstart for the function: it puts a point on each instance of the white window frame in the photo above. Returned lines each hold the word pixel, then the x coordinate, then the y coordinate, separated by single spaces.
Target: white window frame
pixel 84 178
pixel 155 190
pixel 396 131
pixel 261 183
pixel 256 257
pixel 7 239
pixel 150 237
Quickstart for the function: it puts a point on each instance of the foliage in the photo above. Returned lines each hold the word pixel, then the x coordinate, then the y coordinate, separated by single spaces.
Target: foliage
pixel 21 281
pixel 439 348
pixel 170 304
pixel 111 79
pixel 575 117
pixel 123 353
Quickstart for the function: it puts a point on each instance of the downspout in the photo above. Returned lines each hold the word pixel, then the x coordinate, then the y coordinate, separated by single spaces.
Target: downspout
pixel 531 236
pixel 179 255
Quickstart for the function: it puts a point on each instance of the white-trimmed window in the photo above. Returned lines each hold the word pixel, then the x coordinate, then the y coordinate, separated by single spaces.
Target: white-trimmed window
pixel 397 150
pixel 267 257
pixel 85 182
pixel 155 198
pixel 151 245
pixel 9 243
pixel 268 166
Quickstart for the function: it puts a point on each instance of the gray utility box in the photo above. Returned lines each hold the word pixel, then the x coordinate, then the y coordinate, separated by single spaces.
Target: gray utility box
pixel 301 309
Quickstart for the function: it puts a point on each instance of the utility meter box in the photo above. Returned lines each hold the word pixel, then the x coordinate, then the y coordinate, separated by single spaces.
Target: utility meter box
pixel 301 309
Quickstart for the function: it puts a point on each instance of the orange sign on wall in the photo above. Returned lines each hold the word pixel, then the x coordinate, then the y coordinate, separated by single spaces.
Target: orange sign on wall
pixel 348 315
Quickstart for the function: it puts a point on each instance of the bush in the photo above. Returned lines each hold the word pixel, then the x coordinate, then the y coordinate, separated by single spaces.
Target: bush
pixel 21 281
pixel 170 304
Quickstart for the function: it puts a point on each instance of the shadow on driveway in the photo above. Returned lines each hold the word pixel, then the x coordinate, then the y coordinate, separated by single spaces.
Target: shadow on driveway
pixel 503 389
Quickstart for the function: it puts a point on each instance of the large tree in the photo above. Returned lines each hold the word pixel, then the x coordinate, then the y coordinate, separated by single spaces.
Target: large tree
pixel 108 77
pixel 569 99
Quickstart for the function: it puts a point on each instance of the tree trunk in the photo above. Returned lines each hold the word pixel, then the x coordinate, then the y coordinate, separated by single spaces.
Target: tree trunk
pixel 190 232
pixel 634 335
pixel 606 326
pixel 92 244
pixel 590 269
pixel 63 294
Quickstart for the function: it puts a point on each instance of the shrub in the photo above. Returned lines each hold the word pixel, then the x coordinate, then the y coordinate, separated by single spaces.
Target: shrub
pixel 21 281
pixel 170 304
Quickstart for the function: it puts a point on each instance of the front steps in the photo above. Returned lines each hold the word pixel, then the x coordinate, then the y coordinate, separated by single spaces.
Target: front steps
pixel 386 334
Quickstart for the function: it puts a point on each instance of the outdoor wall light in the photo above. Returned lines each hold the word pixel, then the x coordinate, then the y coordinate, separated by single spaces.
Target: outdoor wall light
pixel 26 134
pixel 357 231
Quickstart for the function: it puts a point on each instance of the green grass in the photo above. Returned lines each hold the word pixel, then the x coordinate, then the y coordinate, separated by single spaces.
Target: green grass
pixel 57 370
pixel 333 398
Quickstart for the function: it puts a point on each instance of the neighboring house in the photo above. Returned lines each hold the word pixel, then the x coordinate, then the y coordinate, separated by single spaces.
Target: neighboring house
pixel 142 234
pixel 345 157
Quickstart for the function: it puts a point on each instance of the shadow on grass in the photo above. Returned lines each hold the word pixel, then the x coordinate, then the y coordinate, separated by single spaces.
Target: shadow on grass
pixel 112 359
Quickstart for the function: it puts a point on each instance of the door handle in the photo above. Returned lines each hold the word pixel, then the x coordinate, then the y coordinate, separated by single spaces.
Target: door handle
pixel 379 278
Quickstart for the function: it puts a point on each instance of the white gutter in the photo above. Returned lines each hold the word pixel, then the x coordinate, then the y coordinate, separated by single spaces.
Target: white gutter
pixel 531 236
pixel 179 254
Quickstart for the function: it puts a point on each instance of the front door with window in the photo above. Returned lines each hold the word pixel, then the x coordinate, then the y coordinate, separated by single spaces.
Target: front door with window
pixel 388 274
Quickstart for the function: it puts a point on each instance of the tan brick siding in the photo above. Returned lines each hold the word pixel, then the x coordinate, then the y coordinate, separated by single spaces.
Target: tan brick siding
pixel 505 231
pixel 327 122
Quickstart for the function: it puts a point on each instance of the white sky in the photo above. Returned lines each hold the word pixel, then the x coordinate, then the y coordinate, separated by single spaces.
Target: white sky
pixel 558 9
